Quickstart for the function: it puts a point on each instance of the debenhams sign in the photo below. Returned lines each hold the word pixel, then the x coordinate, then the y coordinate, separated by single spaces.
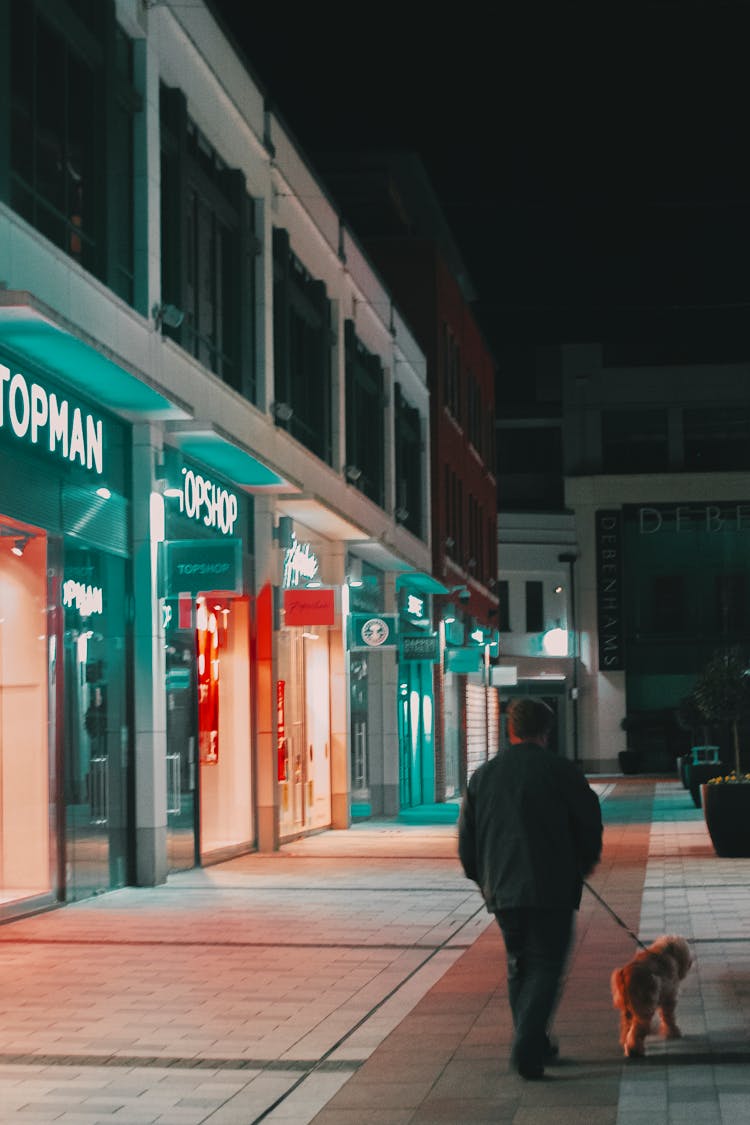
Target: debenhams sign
pixel 49 422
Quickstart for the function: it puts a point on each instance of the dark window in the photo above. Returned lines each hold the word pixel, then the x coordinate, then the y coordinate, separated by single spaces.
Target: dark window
pixel 668 603
pixel 208 250
pixel 408 441
pixel 717 439
pixel 365 424
pixel 474 420
pixel 731 605
pixel 302 350
pixel 451 362
pixel 634 441
pixel 72 108
pixel 503 609
pixel 534 607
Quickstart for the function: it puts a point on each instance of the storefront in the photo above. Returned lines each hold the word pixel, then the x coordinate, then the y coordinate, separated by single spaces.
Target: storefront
pixel 303 687
pixel 205 579
pixel 418 653
pixel 65 744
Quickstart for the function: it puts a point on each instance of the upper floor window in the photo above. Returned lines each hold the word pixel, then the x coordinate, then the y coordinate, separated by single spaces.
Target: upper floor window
pixel 474 420
pixel 717 439
pixel 503 609
pixel 408 441
pixel 365 419
pixel 634 441
pixel 208 249
pixel 451 365
pixel 72 109
pixel 302 340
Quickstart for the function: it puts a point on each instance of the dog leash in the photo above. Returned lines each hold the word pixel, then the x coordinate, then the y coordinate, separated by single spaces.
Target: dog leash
pixel 616 917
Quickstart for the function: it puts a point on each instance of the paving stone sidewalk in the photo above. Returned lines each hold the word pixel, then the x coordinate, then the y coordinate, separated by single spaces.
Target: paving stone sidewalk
pixel 355 977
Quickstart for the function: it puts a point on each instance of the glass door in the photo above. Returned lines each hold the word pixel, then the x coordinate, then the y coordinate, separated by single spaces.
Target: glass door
pixel 182 737
pixel 96 773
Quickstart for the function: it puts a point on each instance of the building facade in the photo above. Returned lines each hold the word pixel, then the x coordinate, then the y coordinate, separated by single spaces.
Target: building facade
pixel 389 201
pixel 195 357
pixel 653 459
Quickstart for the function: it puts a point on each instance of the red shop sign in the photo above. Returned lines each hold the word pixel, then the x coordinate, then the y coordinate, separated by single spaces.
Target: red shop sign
pixel 308 607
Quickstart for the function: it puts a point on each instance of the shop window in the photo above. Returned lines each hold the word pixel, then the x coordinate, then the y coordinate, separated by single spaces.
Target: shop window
pixel 668 604
pixel 717 439
pixel 209 250
pixel 302 351
pixel 634 441
pixel 534 607
pixel 365 417
pixel 72 109
pixel 408 441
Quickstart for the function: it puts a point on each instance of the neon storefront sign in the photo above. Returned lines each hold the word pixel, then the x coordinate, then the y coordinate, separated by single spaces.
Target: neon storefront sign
pixel 300 563
pixel 50 421
pixel 209 503
pixel 86 599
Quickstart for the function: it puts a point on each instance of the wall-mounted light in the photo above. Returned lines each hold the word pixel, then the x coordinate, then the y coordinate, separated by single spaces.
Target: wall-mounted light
pixel 167 314
pixel 401 514
pixel 103 492
pixel 352 473
pixel 283 532
pixel 558 589
pixel 355 572
pixel 450 542
pixel 20 538
pixel 555 642
pixel 281 411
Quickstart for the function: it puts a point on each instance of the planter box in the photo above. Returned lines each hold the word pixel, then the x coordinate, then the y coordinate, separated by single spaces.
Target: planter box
pixel 726 809
pixel 698 774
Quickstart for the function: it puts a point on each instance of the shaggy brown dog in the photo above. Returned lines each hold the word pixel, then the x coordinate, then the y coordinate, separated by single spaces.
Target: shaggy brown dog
pixel 649 984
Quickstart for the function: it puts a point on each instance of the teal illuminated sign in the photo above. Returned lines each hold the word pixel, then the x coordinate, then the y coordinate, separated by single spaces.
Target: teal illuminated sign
pixel 49 421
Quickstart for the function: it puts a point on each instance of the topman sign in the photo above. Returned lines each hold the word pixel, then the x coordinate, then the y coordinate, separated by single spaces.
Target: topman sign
pixel 49 421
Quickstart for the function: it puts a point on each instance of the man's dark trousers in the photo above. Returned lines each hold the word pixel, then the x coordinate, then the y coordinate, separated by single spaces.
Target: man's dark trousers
pixel 537 942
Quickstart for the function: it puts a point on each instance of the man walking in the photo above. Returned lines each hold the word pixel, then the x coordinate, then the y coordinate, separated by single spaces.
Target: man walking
pixel 529 832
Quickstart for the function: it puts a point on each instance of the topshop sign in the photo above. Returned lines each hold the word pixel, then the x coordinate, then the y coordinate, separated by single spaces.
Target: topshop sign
pixel 209 503
pixel 48 421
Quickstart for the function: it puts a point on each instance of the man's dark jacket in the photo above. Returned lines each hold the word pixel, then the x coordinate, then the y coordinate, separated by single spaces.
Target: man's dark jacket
pixel 530 829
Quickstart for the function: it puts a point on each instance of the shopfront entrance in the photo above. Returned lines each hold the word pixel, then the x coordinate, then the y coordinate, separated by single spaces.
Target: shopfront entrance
pixel 303 705
pixel 209 777
pixel 416 735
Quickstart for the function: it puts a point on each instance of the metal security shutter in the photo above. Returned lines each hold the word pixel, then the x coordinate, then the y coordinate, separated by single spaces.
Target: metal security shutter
pixel 28 493
pixel 476 727
pixel 101 523
pixel 493 721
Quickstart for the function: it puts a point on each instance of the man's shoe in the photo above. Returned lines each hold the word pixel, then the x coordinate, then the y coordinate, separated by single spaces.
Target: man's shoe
pixel 531 1073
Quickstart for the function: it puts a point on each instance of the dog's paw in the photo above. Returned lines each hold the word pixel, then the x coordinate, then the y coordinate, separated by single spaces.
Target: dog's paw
pixel 634 1053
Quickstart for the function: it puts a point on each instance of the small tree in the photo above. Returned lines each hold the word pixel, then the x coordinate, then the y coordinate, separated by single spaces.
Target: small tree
pixel 722 693
pixel 690 718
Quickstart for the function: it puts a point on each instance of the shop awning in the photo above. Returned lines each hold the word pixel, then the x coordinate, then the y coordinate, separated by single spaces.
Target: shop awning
pixel 34 333
pixel 207 443
pixel 418 580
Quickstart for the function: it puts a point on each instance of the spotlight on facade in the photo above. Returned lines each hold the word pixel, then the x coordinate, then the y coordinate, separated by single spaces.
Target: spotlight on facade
pixel 352 473
pixel 401 514
pixel 167 314
pixel 281 411
pixel 19 545
pixel 555 642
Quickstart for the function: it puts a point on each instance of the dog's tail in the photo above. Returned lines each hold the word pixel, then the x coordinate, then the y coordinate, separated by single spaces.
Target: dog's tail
pixel 619 993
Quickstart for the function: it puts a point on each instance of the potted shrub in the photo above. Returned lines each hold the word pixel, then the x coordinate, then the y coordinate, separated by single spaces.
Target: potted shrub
pixel 723 695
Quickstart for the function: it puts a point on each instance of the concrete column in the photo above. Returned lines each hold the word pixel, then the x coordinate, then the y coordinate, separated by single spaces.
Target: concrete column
pixel 150 725
pixel 266 677
pixel 339 705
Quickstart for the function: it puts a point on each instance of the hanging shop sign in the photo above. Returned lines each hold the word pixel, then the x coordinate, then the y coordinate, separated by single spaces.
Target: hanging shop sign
pixel 300 564
pixel 50 422
pixel 190 566
pixel 309 607
pixel 464 660
pixel 609 595
pixel 368 631
pixel 419 647
pixel 204 500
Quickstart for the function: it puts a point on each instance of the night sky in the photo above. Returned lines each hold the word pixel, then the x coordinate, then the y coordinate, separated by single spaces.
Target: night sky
pixel 593 160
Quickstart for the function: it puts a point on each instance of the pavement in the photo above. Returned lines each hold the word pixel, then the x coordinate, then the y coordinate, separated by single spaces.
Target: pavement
pixel 355 977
